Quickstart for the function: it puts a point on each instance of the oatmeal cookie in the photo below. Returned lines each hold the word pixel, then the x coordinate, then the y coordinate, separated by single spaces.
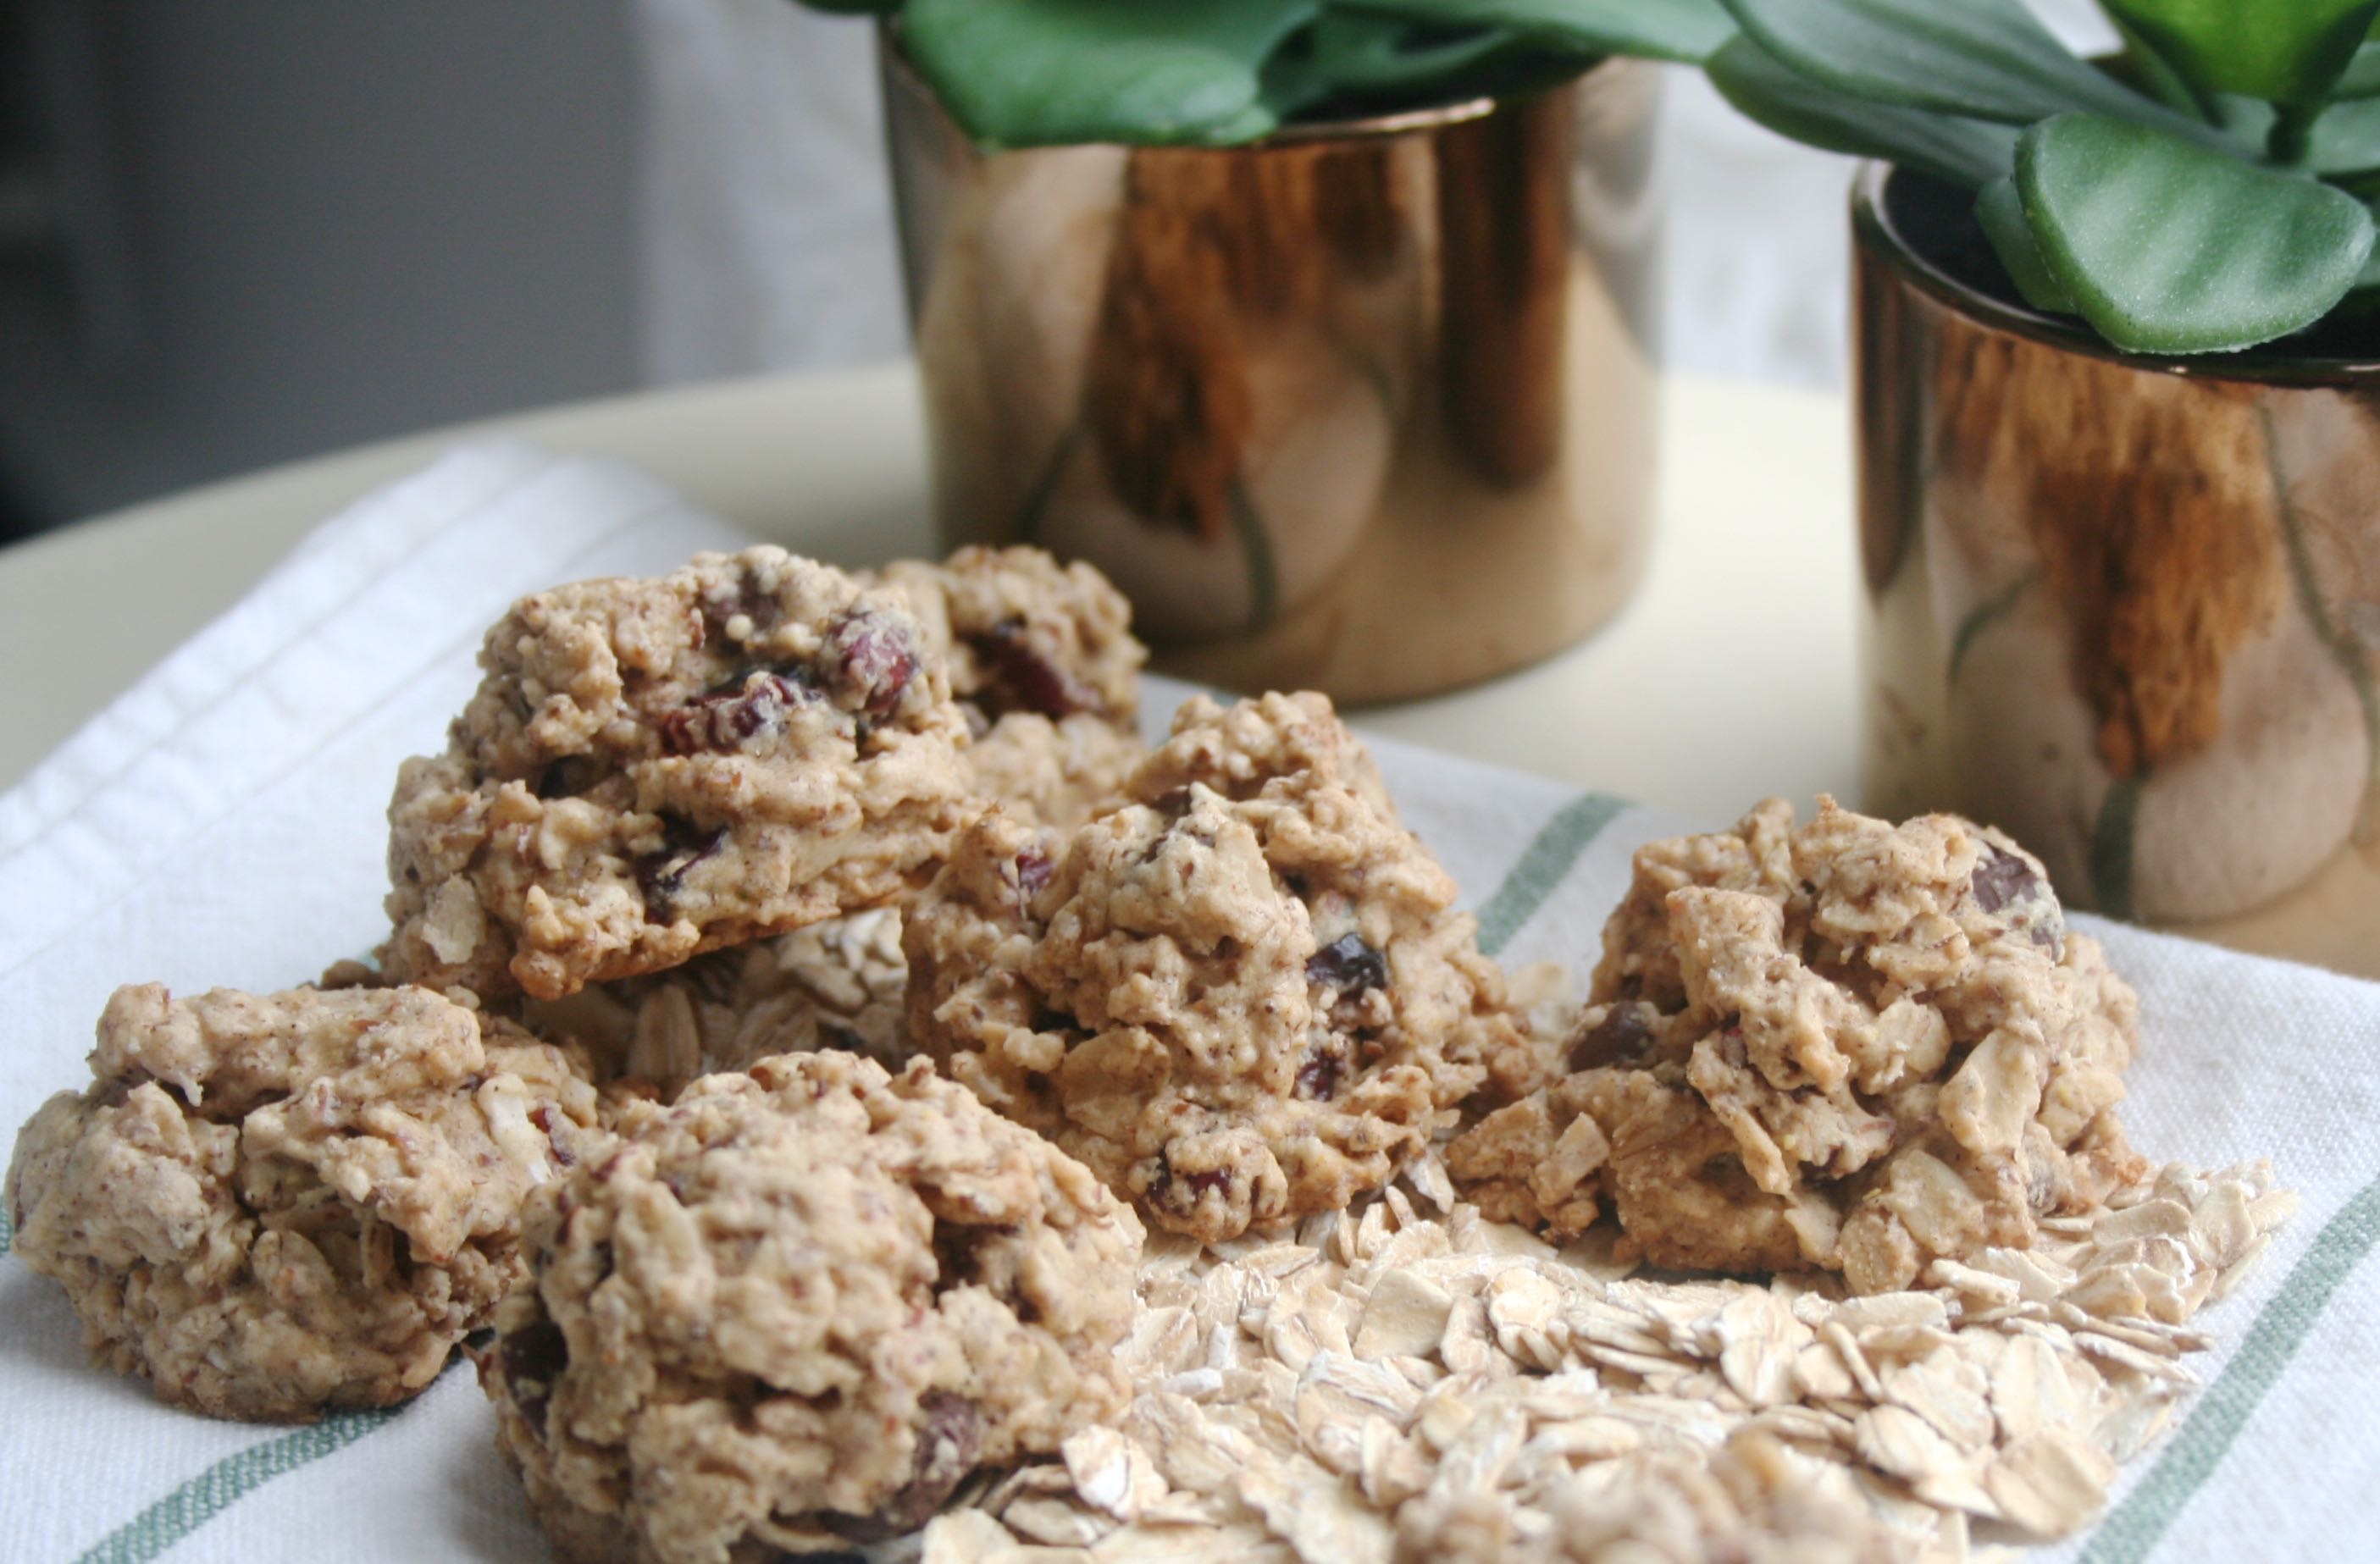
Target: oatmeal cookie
pixel 795 1309
pixel 1240 996
pixel 273 1205
pixel 1045 667
pixel 838 985
pixel 653 769
pixel 1850 1046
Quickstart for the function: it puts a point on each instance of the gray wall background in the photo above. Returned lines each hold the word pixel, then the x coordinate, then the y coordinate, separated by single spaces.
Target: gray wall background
pixel 235 232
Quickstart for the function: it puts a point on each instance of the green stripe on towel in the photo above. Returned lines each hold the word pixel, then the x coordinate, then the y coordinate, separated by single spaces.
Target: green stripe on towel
pixel 1543 865
pixel 212 1492
pixel 2141 1521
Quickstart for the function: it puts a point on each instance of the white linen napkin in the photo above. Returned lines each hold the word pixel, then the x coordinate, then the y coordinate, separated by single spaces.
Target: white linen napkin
pixel 222 824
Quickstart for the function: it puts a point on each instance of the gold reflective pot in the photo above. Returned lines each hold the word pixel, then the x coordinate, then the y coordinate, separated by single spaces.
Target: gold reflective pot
pixel 2127 609
pixel 1368 407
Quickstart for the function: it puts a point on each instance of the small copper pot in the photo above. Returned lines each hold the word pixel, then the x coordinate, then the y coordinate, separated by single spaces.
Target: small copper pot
pixel 2127 609
pixel 1366 407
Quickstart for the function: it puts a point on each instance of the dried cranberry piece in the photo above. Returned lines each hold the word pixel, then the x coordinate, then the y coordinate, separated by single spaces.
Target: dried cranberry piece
pixel 1027 679
pixel 1319 1077
pixel 662 873
pixel 1034 868
pixel 724 718
pixel 1348 966
pixel 949 1434
pixel 2002 877
pixel 871 658
pixel 1621 1038
pixel 534 1357
pixel 547 1122
pixel 1207 1182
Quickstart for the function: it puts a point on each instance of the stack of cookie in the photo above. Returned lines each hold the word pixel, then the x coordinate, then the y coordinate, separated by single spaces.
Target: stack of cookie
pixel 803 985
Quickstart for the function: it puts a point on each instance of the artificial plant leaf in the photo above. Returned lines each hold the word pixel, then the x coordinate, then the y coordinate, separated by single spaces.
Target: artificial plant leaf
pixel 1965 152
pixel 2362 77
pixel 2166 247
pixel 1373 54
pixel 1687 30
pixel 1019 73
pixel 1987 59
pixel 2001 211
pixel 2282 51
pixel 2345 144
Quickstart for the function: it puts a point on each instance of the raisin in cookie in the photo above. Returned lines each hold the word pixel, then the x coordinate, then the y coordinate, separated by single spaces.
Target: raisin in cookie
pixel 1850 1046
pixel 1045 667
pixel 838 985
pixel 272 1204
pixel 653 769
pixel 796 1308
pixel 1241 996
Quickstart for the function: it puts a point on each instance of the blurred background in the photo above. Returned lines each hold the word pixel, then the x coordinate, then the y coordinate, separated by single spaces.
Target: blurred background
pixel 238 231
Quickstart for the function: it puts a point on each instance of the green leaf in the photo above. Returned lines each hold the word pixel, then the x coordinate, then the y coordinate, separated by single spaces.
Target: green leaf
pixel 1021 73
pixel 1687 30
pixel 2001 211
pixel 1964 151
pixel 2347 141
pixel 2168 248
pixel 2281 50
pixel 1988 59
pixel 2362 78
pixel 1371 54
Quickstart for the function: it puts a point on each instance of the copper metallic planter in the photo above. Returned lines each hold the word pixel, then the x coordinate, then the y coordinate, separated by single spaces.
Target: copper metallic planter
pixel 1367 408
pixel 2127 609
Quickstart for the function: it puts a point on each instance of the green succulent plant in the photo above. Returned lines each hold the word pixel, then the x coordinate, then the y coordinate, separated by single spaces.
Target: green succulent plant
pixel 2207 190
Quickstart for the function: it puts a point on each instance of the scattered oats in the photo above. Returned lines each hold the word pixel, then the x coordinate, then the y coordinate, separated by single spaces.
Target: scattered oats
pixel 1409 1379
pixel 1429 1179
pixel 2050 1483
pixel 964 1536
pixel 1111 1473
pixel 2237 1270
pixel 1055 1521
pixel 1405 1316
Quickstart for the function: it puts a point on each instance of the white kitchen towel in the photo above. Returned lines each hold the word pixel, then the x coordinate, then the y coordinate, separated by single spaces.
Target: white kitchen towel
pixel 222 824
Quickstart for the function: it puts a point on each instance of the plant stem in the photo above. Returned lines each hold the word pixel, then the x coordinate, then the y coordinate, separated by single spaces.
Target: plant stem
pixel 2292 133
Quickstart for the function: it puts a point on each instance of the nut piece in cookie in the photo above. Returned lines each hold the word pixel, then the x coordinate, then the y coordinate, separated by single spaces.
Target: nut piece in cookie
pixel 1045 667
pixel 655 768
pixel 840 984
pixel 1850 1045
pixel 1241 996
pixel 273 1205
pixel 796 1308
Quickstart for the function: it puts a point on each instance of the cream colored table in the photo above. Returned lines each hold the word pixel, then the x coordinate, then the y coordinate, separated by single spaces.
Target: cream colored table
pixel 1730 676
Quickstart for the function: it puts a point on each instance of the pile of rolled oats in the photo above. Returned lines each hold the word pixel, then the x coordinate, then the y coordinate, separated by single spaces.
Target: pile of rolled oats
pixel 1410 1380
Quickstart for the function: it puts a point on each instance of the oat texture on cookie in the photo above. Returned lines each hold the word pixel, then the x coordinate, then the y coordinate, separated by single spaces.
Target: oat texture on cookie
pixel 1045 670
pixel 798 1308
pixel 840 984
pixel 1241 995
pixel 1846 1044
pixel 653 769
pixel 273 1205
